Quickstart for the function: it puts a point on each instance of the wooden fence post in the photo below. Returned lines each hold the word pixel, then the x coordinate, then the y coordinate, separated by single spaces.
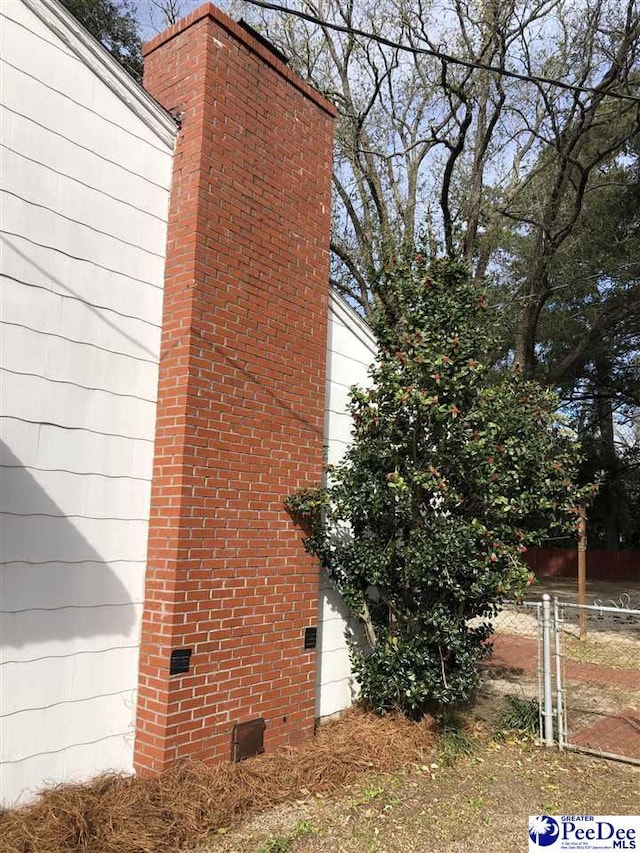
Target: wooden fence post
pixel 582 572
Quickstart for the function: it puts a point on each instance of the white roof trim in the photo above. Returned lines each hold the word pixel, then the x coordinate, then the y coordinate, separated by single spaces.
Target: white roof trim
pixel 108 69
pixel 353 321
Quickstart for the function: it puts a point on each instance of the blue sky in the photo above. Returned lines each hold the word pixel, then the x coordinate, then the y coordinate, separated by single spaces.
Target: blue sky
pixel 151 20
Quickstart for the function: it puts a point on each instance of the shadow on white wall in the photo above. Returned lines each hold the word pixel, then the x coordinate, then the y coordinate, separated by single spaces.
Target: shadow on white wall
pixel 63 576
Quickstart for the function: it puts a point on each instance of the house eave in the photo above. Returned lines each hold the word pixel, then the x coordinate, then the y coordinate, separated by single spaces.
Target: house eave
pixel 350 317
pixel 113 75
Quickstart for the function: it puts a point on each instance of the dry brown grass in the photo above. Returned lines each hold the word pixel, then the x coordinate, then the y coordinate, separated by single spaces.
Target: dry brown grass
pixel 122 814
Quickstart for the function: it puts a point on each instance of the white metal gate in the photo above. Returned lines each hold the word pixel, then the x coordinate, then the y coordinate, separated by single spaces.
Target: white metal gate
pixel 597 676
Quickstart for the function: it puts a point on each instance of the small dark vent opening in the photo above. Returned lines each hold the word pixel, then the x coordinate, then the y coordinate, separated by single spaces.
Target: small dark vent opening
pixel 247 739
pixel 263 41
pixel 180 660
pixel 310 638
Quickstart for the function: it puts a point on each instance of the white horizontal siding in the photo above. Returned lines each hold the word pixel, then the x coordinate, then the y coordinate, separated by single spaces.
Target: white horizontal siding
pixel 351 349
pixel 52 314
pixel 18 15
pixel 43 225
pixel 60 493
pixel 60 360
pixel 60 680
pixel 83 212
pixel 81 203
pixel 64 631
pixel 41 539
pixel 347 371
pixel 78 278
pixel 84 584
pixel 49 447
pixel 38 399
pixel 60 727
pixel 350 337
pixel 75 762
pixel 82 127
pixel 61 77
pixel 44 145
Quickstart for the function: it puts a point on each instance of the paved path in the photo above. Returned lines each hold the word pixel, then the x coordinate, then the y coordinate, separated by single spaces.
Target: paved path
pixel 618 734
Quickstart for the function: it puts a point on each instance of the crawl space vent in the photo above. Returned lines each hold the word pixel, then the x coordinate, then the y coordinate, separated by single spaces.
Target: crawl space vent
pixel 247 739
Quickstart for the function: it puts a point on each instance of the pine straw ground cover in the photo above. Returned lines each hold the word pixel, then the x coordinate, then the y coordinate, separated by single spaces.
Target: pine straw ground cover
pixel 123 814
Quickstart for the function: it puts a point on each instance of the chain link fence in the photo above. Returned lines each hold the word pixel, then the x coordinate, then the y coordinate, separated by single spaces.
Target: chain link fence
pixel 512 672
pixel 579 663
pixel 600 679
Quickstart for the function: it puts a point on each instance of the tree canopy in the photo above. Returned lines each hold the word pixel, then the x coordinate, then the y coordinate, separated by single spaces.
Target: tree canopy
pixel 421 140
pixel 589 342
pixel 532 184
pixel 115 26
pixel 453 471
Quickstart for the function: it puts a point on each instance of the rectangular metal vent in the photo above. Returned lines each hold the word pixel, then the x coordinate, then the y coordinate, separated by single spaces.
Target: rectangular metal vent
pixel 247 739
pixel 180 660
pixel 263 41
pixel 310 638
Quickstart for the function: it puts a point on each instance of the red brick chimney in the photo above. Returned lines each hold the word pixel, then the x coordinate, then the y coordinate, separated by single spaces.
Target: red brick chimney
pixel 240 397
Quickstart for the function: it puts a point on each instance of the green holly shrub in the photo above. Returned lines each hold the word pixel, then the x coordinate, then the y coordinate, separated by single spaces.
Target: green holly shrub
pixel 454 469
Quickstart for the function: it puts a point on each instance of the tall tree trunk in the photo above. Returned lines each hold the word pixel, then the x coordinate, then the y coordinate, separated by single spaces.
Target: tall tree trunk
pixel 608 456
pixel 535 295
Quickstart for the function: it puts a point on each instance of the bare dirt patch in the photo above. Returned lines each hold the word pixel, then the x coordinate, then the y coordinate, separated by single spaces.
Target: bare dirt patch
pixel 479 804
pixel 617 593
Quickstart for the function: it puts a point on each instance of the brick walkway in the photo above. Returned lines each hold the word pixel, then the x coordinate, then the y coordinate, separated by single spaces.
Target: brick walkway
pixel 513 653
pixel 618 734
pixel 520 654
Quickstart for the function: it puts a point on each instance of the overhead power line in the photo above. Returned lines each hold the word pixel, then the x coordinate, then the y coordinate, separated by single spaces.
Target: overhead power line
pixel 441 55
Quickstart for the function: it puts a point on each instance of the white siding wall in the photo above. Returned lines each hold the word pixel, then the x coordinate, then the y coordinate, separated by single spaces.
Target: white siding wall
pixel 351 349
pixel 83 210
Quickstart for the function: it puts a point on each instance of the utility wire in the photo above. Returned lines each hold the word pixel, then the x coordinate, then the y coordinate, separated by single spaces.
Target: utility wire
pixel 438 54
